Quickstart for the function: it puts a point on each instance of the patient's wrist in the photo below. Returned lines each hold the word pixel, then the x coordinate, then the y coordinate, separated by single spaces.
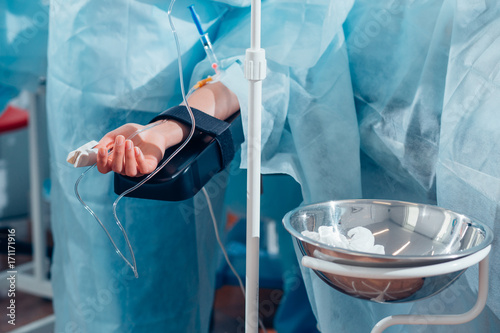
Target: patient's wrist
pixel 172 132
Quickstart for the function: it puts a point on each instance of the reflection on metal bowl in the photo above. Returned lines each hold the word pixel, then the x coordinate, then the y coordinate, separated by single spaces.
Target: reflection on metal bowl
pixel 378 290
pixel 389 290
pixel 416 237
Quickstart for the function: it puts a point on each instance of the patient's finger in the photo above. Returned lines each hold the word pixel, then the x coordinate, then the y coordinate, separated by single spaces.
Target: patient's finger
pixel 118 154
pixel 103 161
pixel 130 163
pixel 143 165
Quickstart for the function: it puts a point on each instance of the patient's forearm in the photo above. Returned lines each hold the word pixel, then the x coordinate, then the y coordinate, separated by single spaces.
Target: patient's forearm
pixel 214 99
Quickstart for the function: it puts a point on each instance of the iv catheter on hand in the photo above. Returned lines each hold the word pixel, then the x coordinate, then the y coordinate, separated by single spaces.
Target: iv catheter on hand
pixel 205 41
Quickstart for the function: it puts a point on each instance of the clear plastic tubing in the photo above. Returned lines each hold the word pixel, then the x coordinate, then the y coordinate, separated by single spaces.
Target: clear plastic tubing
pixel 132 263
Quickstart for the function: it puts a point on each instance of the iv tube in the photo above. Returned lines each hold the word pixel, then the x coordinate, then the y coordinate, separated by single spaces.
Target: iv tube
pixel 205 41
pixel 133 264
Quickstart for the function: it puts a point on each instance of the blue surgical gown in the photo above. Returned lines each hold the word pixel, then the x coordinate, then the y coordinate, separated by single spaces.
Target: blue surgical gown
pixel 107 61
pixel 425 84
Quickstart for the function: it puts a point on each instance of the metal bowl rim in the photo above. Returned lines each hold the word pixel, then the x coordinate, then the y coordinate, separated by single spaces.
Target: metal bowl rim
pixel 488 234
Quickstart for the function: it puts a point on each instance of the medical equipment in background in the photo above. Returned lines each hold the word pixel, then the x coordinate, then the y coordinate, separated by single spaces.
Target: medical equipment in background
pixel 427 248
pixel 32 277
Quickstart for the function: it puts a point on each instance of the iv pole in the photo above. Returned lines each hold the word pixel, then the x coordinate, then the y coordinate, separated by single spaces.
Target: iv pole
pixel 255 72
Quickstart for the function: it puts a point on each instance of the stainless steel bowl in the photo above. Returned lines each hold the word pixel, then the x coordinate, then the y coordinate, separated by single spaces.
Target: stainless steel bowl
pixel 414 235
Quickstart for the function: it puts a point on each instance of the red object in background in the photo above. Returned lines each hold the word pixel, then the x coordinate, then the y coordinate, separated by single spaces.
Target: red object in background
pixel 13 118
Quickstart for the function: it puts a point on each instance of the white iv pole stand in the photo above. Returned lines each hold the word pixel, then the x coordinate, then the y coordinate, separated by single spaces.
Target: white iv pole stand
pixel 255 72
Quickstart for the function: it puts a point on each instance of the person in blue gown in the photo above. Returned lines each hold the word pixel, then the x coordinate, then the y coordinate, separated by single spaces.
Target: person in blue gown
pixel 112 63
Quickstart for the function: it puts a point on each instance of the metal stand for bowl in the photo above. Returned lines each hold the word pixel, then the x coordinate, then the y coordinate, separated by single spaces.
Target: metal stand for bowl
pixel 481 256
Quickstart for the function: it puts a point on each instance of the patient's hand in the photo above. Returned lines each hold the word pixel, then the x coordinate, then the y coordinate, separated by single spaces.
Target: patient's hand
pixel 139 155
